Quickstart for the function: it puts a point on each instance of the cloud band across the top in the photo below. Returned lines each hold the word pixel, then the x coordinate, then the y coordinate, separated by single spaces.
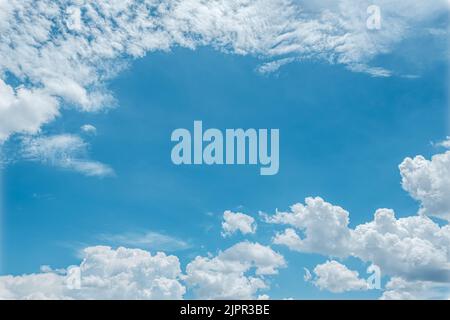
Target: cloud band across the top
pixel 63 51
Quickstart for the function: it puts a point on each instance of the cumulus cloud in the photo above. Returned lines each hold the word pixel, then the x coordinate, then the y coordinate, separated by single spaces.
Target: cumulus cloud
pixel 414 251
pixel 428 181
pixel 63 151
pixel 413 247
pixel 63 51
pixel 337 278
pixel 89 128
pixel 400 289
pixel 236 273
pixel 236 221
pixel 325 227
pixel 24 110
pixel 104 273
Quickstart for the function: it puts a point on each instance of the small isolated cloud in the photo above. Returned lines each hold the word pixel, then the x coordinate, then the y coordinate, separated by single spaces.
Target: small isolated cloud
pixel 236 221
pixel 104 273
pixel 64 151
pixel 236 273
pixel 88 128
pixel 445 143
pixel 337 278
pixel 273 66
pixel 147 240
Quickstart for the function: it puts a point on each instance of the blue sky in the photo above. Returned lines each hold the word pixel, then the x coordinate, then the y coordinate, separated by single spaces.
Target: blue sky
pixel 343 135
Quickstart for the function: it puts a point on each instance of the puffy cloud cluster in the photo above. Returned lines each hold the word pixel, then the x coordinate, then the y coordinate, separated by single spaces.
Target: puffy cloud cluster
pixel 65 50
pixel 336 277
pixel 24 110
pixel 104 273
pixel 400 289
pixel 414 251
pixel 236 221
pixel 325 228
pixel 236 273
pixel 428 182
pixel 64 151
pixel 413 248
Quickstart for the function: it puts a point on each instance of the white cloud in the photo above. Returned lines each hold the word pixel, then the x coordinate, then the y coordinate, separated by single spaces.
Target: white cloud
pixel 89 128
pixel 105 274
pixel 94 37
pixel 236 273
pixel 336 277
pixel 325 227
pixel 147 240
pixel 428 181
pixel 19 111
pixel 233 222
pixel 445 143
pixel 413 248
pixel 64 151
pixel 400 289
pixel 414 251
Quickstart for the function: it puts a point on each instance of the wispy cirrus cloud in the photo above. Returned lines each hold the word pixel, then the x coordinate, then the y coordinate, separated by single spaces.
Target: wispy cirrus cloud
pixel 149 240
pixel 63 51
pixel 63 151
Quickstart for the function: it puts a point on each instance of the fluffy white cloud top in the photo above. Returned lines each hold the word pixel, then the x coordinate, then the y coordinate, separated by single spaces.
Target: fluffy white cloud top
pixel 236 221
pixel 414 247
pixel 63 51
pixel 104 273
pixel 428 181
pixel 236 273
pixel 325 228
pixel 336 277
pixel 24 110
